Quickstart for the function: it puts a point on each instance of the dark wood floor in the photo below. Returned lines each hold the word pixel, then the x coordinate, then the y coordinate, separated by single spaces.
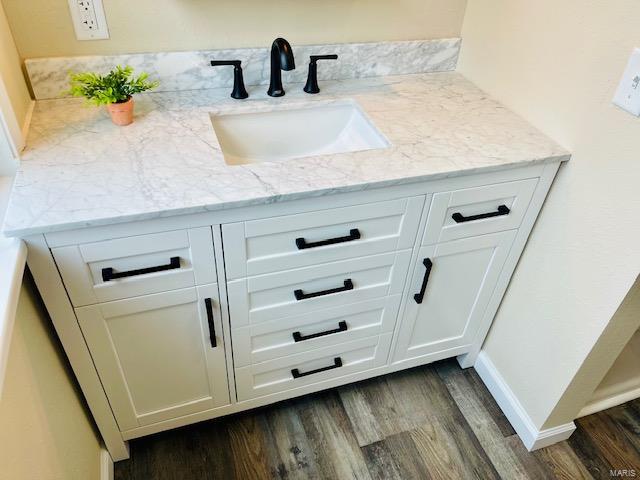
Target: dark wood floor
pixel 433 422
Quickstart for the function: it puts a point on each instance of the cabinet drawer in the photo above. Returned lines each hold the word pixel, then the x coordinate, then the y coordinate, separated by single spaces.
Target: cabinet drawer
pixel 301 333
pixel 295 292
pixel 316 366
pixel 477 211
pixel 294 241
pixel 132 266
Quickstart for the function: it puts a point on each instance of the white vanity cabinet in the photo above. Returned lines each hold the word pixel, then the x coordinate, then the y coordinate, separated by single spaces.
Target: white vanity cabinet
pixel 175 320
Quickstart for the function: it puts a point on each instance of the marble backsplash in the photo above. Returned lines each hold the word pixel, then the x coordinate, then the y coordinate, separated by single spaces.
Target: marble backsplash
pixel 191 70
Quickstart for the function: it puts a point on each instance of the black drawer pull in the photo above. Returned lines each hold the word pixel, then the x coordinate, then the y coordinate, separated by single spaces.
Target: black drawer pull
pixel 109 274
pixel 298 337
pixel 354 234
pixel 502 210
pixel 300 295
pixel 337 363
pixel 212 327
pixel 418 297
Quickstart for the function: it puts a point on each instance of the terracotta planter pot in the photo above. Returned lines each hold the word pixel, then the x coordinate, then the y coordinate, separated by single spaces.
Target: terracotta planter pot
pixel 121 113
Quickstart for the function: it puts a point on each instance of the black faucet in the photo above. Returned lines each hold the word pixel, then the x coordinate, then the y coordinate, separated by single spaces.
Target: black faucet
pixel 281 59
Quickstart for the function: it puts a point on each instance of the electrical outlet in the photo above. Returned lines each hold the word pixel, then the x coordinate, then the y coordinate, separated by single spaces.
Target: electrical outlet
pixel 89 20
pixel 627 96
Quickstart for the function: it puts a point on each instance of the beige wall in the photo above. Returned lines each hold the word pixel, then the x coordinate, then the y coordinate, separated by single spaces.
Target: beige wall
pixel 11 76
pixel 557 64
pixel 613 340
pixel 45 432
pixel 43 27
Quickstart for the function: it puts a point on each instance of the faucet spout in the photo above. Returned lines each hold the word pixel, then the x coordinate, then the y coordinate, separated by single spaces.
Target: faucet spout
pixel 281 59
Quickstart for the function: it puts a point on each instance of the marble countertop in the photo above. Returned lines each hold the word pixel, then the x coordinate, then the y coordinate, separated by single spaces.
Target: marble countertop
pixel 80 170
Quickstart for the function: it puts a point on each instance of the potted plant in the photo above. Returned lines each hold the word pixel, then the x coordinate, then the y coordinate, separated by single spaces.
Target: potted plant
pixel 115 90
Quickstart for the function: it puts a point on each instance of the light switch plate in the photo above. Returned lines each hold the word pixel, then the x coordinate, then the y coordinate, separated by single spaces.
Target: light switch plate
pixel 89 20
pixel 627 96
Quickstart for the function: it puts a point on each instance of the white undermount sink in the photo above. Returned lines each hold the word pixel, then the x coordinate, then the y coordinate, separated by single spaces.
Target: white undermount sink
pixel 298 132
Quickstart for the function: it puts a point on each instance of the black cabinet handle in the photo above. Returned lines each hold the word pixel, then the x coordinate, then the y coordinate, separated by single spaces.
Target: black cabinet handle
pixel 418 297
pixel 109 274
pixel 502 210
pixel 212 327
pixel 298 337
pixel 337 363
pixel 354 234
pixel 300 295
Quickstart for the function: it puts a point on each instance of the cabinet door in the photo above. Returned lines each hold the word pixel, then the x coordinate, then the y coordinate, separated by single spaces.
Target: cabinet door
pixel 451 285
pixel 159 356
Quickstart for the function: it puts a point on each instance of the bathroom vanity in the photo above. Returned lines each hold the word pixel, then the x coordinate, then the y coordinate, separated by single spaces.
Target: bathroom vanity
pixel 185 285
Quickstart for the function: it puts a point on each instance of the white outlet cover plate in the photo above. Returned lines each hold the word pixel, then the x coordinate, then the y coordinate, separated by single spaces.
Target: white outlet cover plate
pixel 627 96
pixel 92 10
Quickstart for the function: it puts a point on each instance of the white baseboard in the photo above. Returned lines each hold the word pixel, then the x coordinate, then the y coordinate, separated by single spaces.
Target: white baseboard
pixel 106 465
pixel 609 402
pixel 531 436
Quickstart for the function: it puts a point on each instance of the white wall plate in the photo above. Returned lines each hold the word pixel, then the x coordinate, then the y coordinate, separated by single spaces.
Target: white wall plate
pixel 627 96
pixel 89 20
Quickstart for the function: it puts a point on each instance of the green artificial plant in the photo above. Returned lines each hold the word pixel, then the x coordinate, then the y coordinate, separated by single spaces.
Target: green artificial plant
pixel 117 86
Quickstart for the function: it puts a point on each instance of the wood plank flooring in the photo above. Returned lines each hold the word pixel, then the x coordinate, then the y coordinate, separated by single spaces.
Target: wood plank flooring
pixel 432 422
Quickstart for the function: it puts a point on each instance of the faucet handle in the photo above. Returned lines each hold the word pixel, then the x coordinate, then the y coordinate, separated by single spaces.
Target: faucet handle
pixel 312 77
pixel 315 58
pixel 239 92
